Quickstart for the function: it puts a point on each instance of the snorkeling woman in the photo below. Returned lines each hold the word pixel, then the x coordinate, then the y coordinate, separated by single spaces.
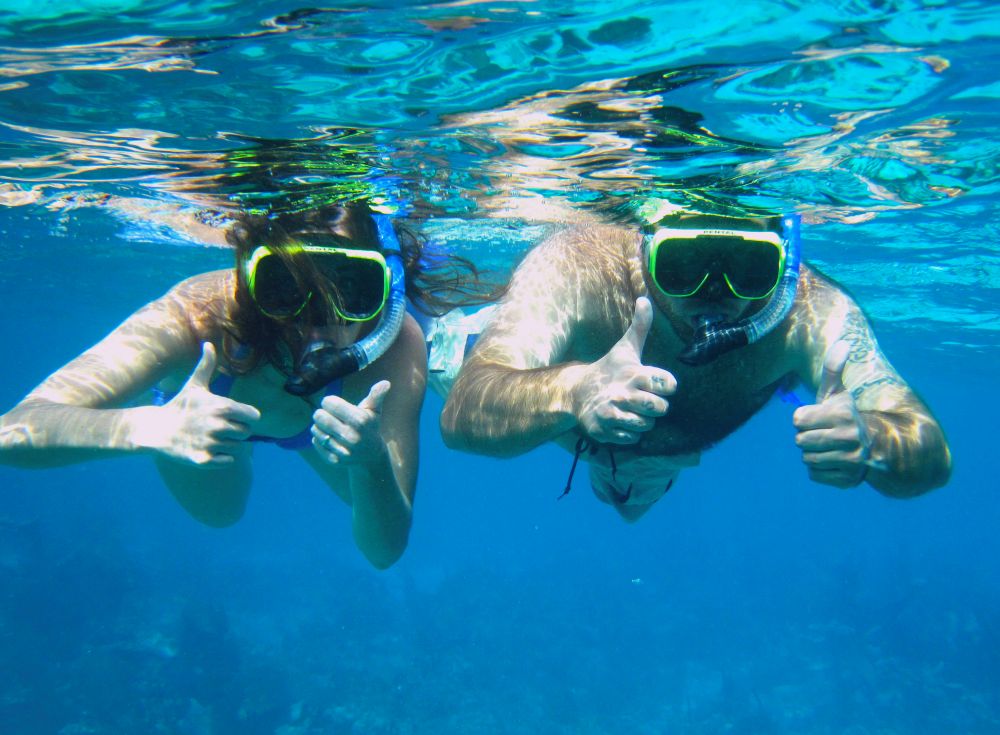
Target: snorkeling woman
pixel 272 351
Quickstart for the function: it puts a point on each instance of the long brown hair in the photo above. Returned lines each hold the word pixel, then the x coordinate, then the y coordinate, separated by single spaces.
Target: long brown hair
pixel 435 282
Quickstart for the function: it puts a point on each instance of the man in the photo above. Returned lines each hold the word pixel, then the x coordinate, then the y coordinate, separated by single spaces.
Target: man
pixel 638 352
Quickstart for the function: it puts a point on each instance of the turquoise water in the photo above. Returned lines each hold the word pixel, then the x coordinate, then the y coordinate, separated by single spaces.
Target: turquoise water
pixel 748 601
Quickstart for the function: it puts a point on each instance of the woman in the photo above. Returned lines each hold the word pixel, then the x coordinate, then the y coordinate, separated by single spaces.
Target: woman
pixel 271 351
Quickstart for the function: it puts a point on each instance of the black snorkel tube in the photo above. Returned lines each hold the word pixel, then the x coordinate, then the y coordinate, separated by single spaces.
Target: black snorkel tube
pixel 714 337
pixel 322 361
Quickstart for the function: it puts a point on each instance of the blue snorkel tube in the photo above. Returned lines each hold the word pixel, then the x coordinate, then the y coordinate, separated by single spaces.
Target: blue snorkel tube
pixel 714 337
pixel 323 362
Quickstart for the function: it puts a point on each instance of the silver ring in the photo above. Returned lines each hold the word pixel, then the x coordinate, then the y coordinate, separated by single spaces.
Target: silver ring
pixel 326 441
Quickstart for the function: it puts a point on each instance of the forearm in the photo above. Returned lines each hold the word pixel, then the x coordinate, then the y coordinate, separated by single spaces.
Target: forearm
pixel 215 496
pixel 909 453
pixel 38 434
pixel 505 412
pixel 381 512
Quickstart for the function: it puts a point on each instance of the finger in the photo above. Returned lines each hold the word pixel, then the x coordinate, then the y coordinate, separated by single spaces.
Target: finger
pixel 632 422
pixel 342 410
pixel 329 447
pixel 642 319
pixel 645 405
pixel 210 460
pixel 203 371
pixel 324 452
pixel 832 459
pixel 611 432
pixel 834 469
pixel 376 397
pixel 228 447
pixel 331 425
pixel 827 440
pixel 832 381
pixel 232 430
pixel 834 412
pixel 241 413
pixel 620 436
pixel 835 477
pixel 658 381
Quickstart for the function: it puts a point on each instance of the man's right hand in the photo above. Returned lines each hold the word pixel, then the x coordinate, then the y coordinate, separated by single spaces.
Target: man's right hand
pixel 196 426
pixel 619 398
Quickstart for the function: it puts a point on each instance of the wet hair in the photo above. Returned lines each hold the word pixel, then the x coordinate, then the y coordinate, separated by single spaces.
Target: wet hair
pixel 436 282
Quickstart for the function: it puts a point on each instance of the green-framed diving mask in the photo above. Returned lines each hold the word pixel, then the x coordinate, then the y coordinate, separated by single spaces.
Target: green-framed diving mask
pixel 359 280
pixel 681 261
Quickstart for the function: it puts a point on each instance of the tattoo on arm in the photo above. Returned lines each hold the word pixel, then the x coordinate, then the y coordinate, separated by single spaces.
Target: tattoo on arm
pixel 886 380
pixel 858 336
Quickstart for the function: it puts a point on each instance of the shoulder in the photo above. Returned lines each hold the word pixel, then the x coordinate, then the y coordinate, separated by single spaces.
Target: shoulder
pixel 824 315
pixel 607 244
pixel 581 265
pixel 206 301
pixel 212 289
pixel 174 326
pixel 823 309
pixel 159 339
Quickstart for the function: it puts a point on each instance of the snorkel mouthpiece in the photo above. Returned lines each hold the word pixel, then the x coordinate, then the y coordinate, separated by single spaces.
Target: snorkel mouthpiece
pixel 714 337
pixel 322 362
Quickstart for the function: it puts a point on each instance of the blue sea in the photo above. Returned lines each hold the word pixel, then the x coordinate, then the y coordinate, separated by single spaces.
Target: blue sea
pixel 749 601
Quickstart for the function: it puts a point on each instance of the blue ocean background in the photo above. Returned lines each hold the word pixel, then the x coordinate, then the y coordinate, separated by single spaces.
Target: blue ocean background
pixel 749 601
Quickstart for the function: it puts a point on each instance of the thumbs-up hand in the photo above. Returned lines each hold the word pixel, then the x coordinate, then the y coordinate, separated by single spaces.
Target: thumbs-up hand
pixel 619 397
pixel 345 433
pixel 196 426
pixel 831 434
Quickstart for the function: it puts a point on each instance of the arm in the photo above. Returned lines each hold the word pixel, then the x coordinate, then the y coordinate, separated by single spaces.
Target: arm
pixel 868 425
pixel 368 453
pixel 518 390
pixel 514 391
pixel 77 413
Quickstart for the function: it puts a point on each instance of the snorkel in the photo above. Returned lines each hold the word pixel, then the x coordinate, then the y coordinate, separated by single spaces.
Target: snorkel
pixel 322 361
pixel 714 337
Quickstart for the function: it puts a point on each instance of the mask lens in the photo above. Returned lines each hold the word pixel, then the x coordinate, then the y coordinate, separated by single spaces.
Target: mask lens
pixel 681 266
pixel 358 282
pixel 275 290
pixel 753 268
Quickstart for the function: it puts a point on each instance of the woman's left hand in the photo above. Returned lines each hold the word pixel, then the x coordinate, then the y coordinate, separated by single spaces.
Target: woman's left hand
pixel 346 434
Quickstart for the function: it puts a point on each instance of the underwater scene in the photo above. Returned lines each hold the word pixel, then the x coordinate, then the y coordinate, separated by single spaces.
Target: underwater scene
pixel 749 600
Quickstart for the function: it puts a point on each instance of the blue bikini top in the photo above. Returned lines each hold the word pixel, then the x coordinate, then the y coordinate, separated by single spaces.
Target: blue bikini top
pixel 223 383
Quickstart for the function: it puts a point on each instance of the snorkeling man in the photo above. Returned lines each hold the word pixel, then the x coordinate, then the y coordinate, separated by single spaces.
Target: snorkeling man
pixel 637 352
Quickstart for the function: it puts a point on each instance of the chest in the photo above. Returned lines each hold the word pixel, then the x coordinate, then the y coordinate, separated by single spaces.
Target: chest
pixel 281 414
pixel 711 401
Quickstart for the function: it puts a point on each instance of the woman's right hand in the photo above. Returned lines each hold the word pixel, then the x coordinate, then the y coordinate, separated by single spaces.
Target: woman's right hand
pixel 196 427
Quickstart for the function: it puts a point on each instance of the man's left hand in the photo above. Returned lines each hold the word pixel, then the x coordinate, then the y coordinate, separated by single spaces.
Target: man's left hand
pixel 831 435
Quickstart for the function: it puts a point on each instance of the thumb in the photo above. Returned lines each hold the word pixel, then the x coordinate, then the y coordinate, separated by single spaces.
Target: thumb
pixel 203 371
pixel 642 319
pixel 832 381
pixel 376 396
